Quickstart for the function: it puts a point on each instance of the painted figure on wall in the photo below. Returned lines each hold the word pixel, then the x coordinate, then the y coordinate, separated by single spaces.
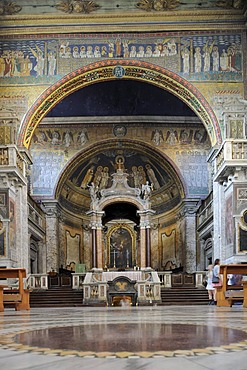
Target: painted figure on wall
pixel 198 60
pixel 185 53
pixel 157 137
pixel 120 249
pixel 88 177
pixel 200 57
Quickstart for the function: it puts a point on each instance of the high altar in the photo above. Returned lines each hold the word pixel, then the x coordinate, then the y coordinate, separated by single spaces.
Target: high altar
pixel 123 256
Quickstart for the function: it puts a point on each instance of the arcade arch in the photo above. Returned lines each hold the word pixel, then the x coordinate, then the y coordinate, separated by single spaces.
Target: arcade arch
pixel 120 69
pixel 171 200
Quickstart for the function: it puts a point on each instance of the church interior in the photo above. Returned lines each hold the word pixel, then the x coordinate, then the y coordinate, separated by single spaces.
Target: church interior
pixel 123 171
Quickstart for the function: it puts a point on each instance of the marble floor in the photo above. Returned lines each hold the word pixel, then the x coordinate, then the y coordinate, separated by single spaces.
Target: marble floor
pixel 138 338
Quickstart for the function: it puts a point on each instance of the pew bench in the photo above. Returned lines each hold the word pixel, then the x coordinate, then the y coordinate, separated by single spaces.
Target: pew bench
pixel 12 298
pixel 234 296
pixel 228 294
pixel 17 298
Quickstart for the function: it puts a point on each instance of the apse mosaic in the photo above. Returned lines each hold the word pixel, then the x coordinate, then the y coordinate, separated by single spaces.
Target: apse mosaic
pixel 139 167
pixel 204 57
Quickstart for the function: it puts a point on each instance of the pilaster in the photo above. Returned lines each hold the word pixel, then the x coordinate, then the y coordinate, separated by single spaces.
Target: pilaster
pixel 189 209
pixel 52 234
pixel 13 194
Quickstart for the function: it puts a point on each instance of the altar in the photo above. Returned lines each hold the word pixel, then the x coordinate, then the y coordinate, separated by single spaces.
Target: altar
pixel 140 287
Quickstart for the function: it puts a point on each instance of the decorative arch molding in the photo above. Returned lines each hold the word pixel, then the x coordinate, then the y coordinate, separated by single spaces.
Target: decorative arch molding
pixel 120 69
pixel 208 244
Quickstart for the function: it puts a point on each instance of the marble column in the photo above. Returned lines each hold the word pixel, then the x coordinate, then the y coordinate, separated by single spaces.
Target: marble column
pixel 145 238
pixel 94 247
pixel 52 235
pixel 96 228
pixel 148 246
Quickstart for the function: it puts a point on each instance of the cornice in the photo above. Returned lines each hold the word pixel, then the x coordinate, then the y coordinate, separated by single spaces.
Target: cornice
pixel 127 22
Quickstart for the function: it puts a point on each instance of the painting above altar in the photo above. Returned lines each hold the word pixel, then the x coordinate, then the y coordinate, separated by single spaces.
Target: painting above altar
pixel 121 247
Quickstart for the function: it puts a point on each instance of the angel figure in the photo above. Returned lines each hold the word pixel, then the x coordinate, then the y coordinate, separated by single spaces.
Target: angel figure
pixel 54 137
pixel 40 138
pixel 82 137
pixel 172 137
pixel 67 138
pixel 157 137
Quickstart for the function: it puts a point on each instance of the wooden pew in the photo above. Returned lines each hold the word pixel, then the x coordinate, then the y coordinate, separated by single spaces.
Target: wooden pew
pixel 17 297
pixel 228 294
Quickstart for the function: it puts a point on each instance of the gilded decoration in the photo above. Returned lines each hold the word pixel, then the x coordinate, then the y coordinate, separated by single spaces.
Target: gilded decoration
pixel 236 4
pixel 100 72
pixel 158 5
pixel 9 8
pixel 77 6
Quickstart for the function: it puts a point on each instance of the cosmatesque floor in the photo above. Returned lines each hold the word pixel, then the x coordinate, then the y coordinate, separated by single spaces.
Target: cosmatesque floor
pixel 138 338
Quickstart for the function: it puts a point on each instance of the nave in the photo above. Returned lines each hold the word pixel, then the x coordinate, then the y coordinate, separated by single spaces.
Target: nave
pixel 195 338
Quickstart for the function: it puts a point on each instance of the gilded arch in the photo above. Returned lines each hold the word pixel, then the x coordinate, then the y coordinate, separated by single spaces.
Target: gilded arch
pixel 114 69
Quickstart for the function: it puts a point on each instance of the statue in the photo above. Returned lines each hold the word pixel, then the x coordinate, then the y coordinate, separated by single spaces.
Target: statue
pixel 93 192
pixel 146 190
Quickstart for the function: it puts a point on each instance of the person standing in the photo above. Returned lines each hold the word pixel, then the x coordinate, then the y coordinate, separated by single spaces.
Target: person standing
pixel 209 286
pixel 216 274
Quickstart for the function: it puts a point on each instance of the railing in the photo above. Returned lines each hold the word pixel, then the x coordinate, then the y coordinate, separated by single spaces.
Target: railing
pixel 9 156
pixel 78 279
pixel 231 150
pixel 37 281
pixel 166 278
pixel 40 281
pixel 205 211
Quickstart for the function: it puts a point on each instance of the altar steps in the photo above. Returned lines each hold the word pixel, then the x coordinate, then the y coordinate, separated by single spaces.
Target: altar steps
pixel 56 297
pixel 184 296
pixel 67 297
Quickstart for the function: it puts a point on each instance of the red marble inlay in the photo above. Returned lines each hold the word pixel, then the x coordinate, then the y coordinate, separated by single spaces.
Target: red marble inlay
pixel 134 337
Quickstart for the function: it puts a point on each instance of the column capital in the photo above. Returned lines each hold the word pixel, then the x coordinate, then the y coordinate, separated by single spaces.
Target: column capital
pixel 189 207
pixel 51 208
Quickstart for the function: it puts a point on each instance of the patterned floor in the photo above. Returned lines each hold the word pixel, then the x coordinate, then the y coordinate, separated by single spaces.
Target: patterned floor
pixel 113 338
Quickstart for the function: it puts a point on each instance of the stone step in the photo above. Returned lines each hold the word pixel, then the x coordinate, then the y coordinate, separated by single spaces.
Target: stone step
pixel 184 296
pixel 56 297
